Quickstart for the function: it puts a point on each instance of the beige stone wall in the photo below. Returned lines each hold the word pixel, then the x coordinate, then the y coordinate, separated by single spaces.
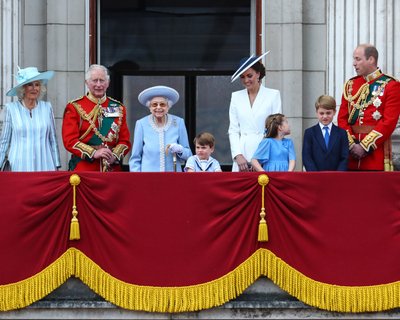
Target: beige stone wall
pixel 53 38
pixel 296 35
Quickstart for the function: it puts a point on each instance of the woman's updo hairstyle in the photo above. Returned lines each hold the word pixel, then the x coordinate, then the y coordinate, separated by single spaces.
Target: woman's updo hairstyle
pixel 259 67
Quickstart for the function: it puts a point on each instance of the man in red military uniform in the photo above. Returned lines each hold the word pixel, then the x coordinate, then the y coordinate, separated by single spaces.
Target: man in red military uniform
pixel 94 127
pixel 369 112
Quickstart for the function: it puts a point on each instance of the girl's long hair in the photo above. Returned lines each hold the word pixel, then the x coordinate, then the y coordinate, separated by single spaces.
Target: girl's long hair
pixel 272 124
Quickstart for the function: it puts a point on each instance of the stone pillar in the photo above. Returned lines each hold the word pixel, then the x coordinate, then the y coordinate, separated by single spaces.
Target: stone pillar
pixel 9 17
pixel 351 22
pixel 295 32
pixel 66 55
pixel 283 36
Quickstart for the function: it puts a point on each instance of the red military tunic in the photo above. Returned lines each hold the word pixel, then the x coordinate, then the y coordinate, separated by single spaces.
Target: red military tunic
pixel 89 124
pixel 369 112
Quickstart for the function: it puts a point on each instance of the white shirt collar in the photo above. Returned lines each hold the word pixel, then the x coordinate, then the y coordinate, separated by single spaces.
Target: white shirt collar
pixel 322 126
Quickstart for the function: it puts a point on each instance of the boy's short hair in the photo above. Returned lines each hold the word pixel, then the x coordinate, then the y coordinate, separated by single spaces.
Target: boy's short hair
pixel 205 139
pixel 326 102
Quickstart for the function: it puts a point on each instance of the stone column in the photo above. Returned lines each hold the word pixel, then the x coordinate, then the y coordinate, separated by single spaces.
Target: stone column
pixel 9 18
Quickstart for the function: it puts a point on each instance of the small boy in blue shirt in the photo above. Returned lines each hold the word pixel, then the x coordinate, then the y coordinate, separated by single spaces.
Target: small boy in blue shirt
pixel 325 145
pixel 202 161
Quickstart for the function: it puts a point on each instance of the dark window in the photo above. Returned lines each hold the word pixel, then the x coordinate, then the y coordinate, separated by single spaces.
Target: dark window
pixel 193 46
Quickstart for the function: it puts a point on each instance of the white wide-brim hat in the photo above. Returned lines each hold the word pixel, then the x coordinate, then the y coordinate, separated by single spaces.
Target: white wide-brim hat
pixel 28 75
pixel 158 91
pixel 247 63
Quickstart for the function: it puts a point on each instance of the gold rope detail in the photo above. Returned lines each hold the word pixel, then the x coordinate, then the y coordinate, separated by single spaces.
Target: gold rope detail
pixel 74 233
pixel 23 293
pixel 262 226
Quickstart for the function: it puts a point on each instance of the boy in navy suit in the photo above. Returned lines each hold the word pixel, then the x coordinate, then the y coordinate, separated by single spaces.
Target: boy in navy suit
pixel 325 145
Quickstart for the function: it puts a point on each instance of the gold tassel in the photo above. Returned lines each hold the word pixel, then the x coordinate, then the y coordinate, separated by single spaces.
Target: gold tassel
pixel 262 227
pixel 74 232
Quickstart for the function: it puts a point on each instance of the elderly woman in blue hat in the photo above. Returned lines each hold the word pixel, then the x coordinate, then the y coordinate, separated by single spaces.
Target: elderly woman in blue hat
pixel 160 141
pixel 248 110
pixel 28 140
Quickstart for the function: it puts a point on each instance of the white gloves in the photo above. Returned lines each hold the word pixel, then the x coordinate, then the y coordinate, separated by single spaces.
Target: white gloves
pixel 175 148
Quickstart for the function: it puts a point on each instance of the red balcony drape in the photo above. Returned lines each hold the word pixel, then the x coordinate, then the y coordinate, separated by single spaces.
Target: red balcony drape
pixel 182 242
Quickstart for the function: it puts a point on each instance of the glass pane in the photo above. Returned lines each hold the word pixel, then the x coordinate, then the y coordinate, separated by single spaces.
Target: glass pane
pixel 212 112
pixel 174 35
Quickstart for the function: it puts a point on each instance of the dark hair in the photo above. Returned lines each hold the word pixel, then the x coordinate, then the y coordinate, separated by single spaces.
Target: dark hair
pixel 272 124
pixel 259 67
pixel 326 102
pixel 205 139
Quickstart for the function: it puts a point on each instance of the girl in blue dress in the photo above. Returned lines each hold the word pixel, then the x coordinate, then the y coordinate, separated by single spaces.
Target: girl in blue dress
pixel 275 152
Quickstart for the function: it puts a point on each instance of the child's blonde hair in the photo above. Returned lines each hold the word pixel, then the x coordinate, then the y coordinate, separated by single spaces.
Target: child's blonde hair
pixel 272 124
pixel 326 102
pixel 205 139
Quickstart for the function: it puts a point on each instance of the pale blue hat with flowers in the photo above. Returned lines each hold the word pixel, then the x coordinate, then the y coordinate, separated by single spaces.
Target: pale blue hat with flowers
pixel 158 91
pixel 28 75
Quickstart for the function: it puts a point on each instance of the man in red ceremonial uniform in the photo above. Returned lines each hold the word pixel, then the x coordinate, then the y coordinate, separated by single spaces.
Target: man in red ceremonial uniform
pixel 94 127
pixel 369 112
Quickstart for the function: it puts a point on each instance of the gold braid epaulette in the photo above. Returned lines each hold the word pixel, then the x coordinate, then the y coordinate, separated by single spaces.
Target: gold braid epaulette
pixel 392 77
pixel 115 100
pixel 74 100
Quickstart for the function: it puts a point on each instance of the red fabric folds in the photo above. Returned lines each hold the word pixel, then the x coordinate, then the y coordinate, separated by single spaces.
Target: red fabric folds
pixel 177 229
pixel 35 208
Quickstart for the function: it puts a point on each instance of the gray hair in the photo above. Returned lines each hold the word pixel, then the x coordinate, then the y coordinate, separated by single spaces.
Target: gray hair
pixel 97 66
pixel 21 90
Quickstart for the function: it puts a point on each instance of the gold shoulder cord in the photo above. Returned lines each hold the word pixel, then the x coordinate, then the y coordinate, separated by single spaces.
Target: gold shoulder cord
pixel 360 96
pixel 91 117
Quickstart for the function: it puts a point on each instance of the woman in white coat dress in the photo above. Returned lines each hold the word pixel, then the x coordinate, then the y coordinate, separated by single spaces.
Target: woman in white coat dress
pixel 248 110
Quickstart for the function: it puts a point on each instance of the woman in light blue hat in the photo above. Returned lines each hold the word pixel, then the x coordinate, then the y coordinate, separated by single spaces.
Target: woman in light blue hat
pixel 160 141
pixel 28 139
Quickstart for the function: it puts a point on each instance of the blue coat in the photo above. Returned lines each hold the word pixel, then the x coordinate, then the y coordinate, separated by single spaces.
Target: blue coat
pixel 317 157
pixel 149 144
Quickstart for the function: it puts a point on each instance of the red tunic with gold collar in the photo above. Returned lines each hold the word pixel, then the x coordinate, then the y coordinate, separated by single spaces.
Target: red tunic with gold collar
pixel 369 112
pixel 90 123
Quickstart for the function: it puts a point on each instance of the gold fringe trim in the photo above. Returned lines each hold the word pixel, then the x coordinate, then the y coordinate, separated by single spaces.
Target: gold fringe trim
pixel 168 299
pixel 23 293
pixel 219 291
pixel 202 296
pixel 327 296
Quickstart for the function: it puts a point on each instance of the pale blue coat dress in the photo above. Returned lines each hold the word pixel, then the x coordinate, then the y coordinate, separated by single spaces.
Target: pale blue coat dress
pixel 150 141
pixel 29 137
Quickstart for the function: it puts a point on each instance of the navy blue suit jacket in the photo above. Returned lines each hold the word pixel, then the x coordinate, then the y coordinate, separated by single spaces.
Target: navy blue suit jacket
pixel 317 157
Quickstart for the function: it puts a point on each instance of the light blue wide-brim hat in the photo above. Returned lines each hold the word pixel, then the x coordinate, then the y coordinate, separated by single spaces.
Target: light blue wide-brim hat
pixel 158 91
pixel 247 63
pixel 28 75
